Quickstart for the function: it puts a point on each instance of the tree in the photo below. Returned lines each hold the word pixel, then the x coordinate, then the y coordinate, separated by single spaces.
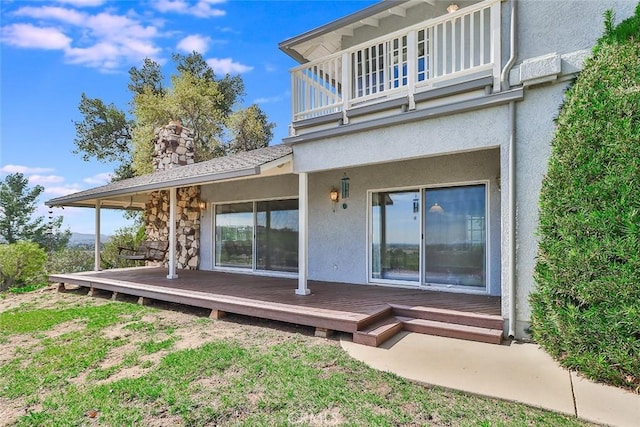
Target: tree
pixel 149 77
pixel 585 309
pixel 104 134
pixel 22 264
pixel 250 129
pixel 199 99
pixel 17 206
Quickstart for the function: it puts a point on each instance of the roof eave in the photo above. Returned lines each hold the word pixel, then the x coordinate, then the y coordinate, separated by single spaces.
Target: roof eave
pixel 182 182
pixel 287 45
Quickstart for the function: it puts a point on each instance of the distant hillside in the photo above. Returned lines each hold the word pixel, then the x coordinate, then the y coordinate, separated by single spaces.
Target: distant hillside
pixel 86 239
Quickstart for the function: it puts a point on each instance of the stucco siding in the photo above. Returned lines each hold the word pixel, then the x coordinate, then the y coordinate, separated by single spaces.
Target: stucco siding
pixel 534 132
pixel 563 26
pixel 476 130
pixel 338 249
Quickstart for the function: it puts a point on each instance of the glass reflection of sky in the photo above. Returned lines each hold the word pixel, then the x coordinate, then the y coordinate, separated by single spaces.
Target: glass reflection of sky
pixel 402 225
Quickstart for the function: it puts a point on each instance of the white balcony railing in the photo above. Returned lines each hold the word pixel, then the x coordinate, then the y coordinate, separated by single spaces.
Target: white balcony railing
pixel 401 63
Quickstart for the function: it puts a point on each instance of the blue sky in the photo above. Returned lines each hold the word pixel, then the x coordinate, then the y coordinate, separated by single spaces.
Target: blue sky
pixel 52 51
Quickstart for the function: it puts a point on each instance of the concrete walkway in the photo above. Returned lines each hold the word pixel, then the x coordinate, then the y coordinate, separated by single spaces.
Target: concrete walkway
pixel 516 371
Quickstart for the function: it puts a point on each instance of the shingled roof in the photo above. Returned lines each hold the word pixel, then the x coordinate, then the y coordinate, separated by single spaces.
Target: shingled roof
pixel 245 164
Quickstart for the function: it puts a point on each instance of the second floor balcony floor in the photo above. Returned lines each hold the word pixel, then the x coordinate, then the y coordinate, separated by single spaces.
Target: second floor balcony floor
pixel 401 67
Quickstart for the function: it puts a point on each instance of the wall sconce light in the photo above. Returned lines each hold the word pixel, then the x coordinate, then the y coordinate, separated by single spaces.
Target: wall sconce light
pixel 202 206
pixel 333 195
pixel 436 208
pixel 452 8
pixel 344 187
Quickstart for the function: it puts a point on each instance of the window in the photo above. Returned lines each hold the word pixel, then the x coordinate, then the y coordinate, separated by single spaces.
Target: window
pixel 433 236
pixel 455 236
pixel 234 235
pixel 277 235
pixel 272 247
pixel 395 236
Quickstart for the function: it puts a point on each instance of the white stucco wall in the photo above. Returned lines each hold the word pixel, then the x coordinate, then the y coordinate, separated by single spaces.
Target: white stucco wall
pixel 546 26
pixel 338 248
pixel 470 131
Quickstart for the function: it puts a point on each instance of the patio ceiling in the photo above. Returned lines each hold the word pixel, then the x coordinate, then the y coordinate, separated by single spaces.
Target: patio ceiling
pixel 327 39
pixel 132 193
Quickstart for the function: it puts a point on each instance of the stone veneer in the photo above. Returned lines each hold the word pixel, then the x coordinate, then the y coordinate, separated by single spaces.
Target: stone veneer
pixel 174 147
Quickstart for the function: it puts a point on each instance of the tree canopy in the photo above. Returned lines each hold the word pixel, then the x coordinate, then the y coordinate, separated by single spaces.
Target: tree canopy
pixel 206 104
pixel 17 223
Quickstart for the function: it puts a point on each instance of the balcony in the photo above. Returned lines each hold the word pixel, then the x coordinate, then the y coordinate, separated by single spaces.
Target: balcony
pixel 398 66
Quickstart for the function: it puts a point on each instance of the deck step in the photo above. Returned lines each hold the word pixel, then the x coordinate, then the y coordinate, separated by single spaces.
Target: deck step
pixel 379 332
pixel 376 317
pixel 479 320
pixel 451 330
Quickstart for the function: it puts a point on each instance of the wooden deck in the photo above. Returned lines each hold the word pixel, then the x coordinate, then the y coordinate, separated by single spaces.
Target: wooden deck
pixel 372 313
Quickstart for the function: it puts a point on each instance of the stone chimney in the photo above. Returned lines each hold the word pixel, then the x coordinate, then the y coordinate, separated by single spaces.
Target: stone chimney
pixel 173 148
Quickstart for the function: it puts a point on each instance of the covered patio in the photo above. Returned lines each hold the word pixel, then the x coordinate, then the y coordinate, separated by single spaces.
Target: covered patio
pixel 372 314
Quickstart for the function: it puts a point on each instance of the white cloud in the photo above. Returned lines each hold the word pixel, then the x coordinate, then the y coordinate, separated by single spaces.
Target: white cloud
pixel 227 65
pixel 195 42
pixel 272 99
pixel 82 3
pixel 62 190
pixel 99 179
pixel 104 40
pixel 29 36
pixel 50 12
pixel 45 179
pixel 24 169
pixel 200 9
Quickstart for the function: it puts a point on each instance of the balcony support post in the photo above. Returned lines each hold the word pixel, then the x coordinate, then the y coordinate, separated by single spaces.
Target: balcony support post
pixel 412 67
pixel 346 85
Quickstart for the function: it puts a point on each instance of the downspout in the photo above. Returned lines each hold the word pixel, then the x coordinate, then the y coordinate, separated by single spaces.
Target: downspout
pixel 504 78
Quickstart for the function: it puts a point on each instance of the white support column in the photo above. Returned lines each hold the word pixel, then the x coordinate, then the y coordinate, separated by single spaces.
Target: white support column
pixel 303 233
pixel 346 85
pixel 412 67
pixel 172 234
pixel 96 260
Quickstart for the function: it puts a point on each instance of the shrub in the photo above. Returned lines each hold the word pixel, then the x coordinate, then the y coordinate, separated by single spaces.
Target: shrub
pixel 586 308
pixel 22 264
pixel 70 260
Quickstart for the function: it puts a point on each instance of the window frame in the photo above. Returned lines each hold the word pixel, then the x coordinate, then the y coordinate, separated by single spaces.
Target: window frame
pixel 253 268
pixel 422 283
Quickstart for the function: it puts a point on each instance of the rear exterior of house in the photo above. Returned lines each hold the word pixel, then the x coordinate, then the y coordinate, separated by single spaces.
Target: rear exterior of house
pixel 429 116
pixel 419 138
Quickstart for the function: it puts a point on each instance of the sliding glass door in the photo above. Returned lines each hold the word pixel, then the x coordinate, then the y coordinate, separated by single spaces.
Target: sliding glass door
pixel 234 235
pixel 277 235
pixel 455 236
pixel 272 247
pixel 395 233
pixel 433 236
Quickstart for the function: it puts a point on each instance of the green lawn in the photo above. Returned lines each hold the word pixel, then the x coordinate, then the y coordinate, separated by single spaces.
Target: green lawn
pixel 68 359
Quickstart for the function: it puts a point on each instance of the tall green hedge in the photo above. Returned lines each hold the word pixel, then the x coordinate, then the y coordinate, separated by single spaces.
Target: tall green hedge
pixel 586 307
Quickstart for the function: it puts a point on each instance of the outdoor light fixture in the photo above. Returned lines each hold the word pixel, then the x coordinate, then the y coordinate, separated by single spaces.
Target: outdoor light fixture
pixel 452 8
pixel 436 208
pixel 344 187
pixel 333 195
pixel 202 206
pixel 416 204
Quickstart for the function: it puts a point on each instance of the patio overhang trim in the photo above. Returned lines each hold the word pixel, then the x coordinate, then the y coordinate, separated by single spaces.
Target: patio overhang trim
pixel 182 182
pixel 115 198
